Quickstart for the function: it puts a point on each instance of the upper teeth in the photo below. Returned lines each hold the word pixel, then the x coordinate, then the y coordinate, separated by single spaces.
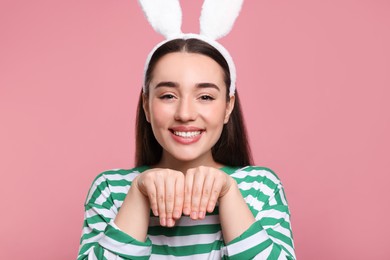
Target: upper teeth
pixel 187 134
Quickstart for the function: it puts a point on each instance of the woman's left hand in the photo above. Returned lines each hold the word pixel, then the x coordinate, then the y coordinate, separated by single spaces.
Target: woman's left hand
pixel 203 187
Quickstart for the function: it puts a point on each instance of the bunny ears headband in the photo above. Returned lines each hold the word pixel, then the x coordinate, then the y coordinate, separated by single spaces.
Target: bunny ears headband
pixel 216 21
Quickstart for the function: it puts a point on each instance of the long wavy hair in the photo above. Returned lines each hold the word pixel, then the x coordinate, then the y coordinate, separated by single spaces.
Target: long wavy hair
pixel 231 149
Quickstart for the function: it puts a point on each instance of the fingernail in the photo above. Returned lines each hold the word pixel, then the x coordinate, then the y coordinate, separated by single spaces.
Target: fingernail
pixel 170 223
pixel 155 212
pixel 201 215
pixel 176 214
pixel 163 222
pixel 194 215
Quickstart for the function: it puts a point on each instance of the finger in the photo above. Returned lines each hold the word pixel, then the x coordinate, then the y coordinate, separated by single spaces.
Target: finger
pixel 152 195
pixel 197 188
pixel 189 179
pixel 160 187
pixel 147 187
pixel 179 196
pixel 206 194
pixel 169 198
pixel 215 192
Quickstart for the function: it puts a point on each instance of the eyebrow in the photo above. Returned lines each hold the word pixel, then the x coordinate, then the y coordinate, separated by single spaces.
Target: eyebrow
pixel 172 84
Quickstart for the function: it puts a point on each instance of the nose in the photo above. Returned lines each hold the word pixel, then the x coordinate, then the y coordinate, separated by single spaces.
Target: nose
pixel 186 110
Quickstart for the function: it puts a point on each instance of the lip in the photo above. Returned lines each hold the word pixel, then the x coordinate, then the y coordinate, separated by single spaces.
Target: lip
pixel 187 139
pixel 186 129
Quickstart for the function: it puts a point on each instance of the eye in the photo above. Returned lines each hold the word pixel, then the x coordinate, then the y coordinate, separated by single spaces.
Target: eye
pixel 167 96
pixel 206 98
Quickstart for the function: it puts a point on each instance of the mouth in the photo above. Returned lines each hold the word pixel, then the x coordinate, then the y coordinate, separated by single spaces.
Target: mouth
pixel 187 134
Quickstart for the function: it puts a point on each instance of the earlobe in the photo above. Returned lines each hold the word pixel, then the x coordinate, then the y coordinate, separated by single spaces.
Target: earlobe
pixel 229 109
pixel 145 107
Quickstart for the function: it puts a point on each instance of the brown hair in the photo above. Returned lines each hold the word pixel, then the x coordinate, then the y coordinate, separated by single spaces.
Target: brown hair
pixel 231 149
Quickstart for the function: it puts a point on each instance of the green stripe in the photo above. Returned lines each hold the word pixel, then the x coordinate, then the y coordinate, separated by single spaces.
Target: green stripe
pixel 123 237
pixel 280 236
pixel 85 247
pixel 186 250
pixel 261 179
pixel 275 252
pixel 97 219
pixel 252 252
pixel 260 196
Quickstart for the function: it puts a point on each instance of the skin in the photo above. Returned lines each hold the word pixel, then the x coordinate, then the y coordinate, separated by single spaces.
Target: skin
pixel 187 96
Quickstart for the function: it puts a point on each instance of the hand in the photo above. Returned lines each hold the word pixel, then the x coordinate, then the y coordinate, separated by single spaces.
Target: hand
pixel 202 189
pixel 165 190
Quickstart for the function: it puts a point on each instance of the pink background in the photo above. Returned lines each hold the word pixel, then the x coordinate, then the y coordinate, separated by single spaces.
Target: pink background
pixel 314 76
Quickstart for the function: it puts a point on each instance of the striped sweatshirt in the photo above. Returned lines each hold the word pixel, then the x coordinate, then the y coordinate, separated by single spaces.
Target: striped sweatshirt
pixel 270 237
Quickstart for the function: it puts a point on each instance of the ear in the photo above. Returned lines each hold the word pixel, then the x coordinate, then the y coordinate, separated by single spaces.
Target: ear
pixel 145 106
pixel 229 108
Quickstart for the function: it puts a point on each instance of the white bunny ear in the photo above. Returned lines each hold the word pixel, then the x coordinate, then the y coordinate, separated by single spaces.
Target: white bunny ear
pixel 164 16
pixel 218 16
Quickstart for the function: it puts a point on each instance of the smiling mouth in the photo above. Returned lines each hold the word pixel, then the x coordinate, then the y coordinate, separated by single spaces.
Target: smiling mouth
pixel 187 134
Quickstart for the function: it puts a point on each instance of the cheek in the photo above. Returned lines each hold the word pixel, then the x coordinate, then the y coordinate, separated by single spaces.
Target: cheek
pixel 215 114
pixel 159 114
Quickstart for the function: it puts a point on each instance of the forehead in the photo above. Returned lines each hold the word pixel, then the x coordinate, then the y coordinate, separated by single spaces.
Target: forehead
pixel 183 66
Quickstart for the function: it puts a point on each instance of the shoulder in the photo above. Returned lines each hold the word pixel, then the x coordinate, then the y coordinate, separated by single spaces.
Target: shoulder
pixel 259 186
pixel 115 181
pixel 115 175
pixel 253 173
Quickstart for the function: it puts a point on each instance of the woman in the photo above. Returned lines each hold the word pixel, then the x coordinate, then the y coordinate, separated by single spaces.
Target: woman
pixel 194 192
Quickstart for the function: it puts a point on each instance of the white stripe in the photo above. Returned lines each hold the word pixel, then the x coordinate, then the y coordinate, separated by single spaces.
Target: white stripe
pixel 94 186
pixel 264 254
pixel 247 243
pixel 215 254
pixel 257 186
pixel 92 239
pixel 104 177
pixel 240 174
pixel 89 252
pixel 272 201
pixel 111 256
pixel 124 248
pixel 185 240
pixel 86 231
pixel 103 196
pixel 280 242
pixel 100 226
pixel 185 221
pixel 91 255
pixel 283 256
pixel 282 195
pixel 253 202
pixel 108 213
pixel 120 177
pixel 278 228
pixel 272 213
pixel 120 189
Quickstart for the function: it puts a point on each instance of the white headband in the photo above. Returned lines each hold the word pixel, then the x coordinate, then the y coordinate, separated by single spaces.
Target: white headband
pixel 216 21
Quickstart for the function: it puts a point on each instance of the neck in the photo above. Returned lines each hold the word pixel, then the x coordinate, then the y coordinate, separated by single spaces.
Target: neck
pixel 170 162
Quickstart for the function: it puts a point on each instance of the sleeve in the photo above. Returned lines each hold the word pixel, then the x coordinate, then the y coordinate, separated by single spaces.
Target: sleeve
pixel 101 238
pixel 270 237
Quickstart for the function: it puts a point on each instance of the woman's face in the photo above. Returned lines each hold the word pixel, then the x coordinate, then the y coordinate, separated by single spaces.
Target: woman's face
pixel 187 107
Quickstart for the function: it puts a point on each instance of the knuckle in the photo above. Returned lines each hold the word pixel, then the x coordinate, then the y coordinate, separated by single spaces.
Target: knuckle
pixel 161 198
pixel 206 192
pixel 196 191
pixel 169 198
pixel 187 190
pixel 152 196
pixel 179 195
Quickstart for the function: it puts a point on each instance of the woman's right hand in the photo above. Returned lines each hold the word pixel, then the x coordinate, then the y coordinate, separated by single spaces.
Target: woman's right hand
pixel 165 190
